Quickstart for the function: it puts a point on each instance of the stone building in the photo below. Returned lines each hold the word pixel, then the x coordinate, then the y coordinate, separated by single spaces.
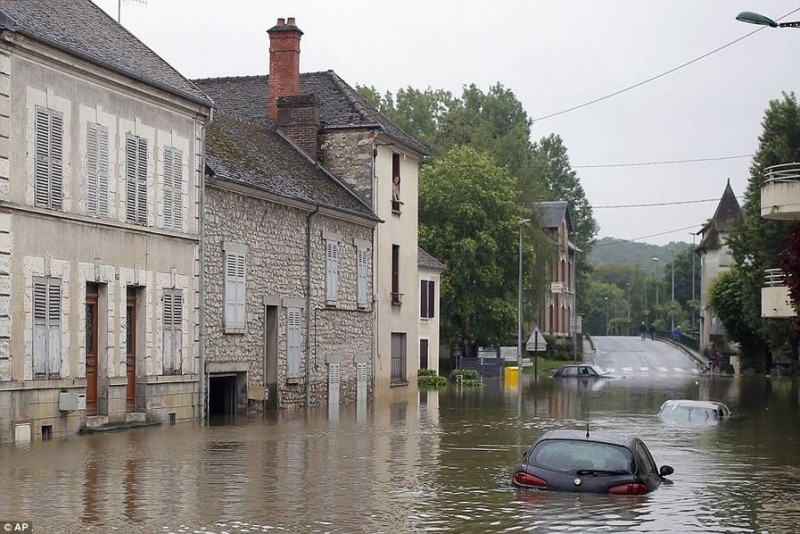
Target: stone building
pixel 430 275
pixel 287 252
pixel 715 257
pixel 100 178
pixel 336 128
pixel 557 313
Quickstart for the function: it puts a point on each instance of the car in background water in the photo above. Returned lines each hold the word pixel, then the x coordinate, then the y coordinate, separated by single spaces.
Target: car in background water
pixel 583 370
pixel 693 411
pixel 577 461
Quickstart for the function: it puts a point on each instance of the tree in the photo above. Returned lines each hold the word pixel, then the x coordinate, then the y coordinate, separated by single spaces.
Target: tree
pixel 469 219
pixel 756 242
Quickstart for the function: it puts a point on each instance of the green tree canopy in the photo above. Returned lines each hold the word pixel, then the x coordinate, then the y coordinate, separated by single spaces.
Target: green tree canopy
pixel 469 219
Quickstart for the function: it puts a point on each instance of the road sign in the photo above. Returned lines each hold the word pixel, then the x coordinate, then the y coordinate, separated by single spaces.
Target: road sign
pixel 536 342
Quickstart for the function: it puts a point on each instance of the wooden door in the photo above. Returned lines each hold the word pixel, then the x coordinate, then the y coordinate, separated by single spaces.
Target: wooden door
pixel 130 360
pixel 91 351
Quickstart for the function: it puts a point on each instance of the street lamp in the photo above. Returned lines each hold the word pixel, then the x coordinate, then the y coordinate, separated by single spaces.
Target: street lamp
pixel 692 306
pixel 672 305
pixel 756 18
pixel 519 302
pixel 657 284
pixel 606 299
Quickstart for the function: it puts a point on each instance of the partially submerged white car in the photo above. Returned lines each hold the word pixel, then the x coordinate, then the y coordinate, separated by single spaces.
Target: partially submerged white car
pixel 693 411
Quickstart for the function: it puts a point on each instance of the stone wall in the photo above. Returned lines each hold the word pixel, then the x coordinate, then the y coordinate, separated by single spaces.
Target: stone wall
pixel 348 154
pixel 275 237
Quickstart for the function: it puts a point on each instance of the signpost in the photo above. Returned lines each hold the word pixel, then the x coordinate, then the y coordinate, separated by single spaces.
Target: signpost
pixel 536 343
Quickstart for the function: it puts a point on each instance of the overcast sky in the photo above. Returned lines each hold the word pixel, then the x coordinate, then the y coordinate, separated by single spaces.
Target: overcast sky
pixel 553 55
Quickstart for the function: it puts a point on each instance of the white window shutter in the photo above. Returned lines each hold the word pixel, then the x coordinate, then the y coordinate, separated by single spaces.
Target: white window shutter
pixel 40 333
pixel 92 179
pixel 168 334
pixel 230 290
pixel 102 170
pixel 334 380
pixel 362 276
pixel 141 181
pixel 54 326
pixel 42 159
pixel 293 342
pixel 332 270
pixel 177 332
pixel 361 381
pixel 169 219
pixel 173 188
pixel 240 290
pixel 56 167
pixel 130 179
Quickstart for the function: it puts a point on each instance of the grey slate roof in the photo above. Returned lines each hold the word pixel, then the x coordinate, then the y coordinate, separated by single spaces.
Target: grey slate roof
pixel 340 105
pixel 728 210
pixel 553 212
pixel 427 261
pixel 82 29
pixel 258 156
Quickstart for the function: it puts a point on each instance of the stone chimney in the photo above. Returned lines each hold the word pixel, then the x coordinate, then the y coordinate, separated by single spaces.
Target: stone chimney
pixel 284 63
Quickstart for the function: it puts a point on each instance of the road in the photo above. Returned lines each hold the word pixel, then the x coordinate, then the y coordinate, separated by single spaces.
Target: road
pixel 631 356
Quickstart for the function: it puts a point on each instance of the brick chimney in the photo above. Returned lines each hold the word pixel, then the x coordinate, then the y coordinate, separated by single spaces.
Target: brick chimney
pixel 298 117
pixel 284 63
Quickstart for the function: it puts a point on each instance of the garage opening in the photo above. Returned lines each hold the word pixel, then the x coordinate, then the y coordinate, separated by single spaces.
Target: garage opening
pixel 222 395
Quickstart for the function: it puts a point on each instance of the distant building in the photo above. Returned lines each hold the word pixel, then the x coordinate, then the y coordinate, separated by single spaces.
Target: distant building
pixel 430 271
pixel 715 257
pixel 557 314
pixel 100 180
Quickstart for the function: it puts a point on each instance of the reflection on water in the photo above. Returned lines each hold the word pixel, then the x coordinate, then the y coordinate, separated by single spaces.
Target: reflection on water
pixel 436 461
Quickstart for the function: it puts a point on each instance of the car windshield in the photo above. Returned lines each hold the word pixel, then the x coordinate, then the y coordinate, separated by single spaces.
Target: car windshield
pixel 571 456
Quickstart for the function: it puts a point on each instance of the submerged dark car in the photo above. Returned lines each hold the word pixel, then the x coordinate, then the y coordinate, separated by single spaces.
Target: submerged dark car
pixel 571 460
pixel 583 370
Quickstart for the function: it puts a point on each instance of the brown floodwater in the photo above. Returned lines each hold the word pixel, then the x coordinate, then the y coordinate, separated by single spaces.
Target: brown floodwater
pixel 436 462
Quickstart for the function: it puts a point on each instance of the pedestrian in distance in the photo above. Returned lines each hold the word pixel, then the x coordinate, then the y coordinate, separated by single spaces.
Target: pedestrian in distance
pixel 652 331
pixel 643 331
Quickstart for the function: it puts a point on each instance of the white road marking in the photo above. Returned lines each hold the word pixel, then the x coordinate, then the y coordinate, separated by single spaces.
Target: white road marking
pixel 627 369
pixel 644 369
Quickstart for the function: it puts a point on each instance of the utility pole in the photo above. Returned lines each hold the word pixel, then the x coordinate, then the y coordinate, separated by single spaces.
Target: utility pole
pixel 672 309
pixel 692 306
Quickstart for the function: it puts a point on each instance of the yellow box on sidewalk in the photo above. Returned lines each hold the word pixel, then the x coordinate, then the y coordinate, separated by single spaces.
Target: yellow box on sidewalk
pixel 511 376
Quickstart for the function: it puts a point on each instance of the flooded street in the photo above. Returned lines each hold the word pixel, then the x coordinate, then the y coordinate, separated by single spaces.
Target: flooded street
pixel 437 462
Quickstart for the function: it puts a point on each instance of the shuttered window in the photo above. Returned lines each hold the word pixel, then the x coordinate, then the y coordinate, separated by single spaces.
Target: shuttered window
pixel 173 331
pixel 136 179
pixel 332 270
pixel 173 188
pixel 235 283
pixel 398 370
pixel 363 276
pixel 97 170
pixel 427 294
pixel 48 168
pixel 46 327
pixel 293 341
pixel 334 383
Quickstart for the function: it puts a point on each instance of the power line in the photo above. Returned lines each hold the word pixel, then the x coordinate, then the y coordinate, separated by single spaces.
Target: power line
pixel 657 204
pixel 647 236
pixel 657 76
pixel 665 162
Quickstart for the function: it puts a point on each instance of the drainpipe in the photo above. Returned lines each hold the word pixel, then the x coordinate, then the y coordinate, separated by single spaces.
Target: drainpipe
pixel 202 247
pixel 309 217
pixel 375 307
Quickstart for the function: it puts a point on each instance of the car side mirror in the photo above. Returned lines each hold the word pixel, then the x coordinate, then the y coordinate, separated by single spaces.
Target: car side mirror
pixel 666 470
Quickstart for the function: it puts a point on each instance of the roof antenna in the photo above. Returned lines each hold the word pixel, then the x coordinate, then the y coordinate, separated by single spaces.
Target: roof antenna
pixel 587 429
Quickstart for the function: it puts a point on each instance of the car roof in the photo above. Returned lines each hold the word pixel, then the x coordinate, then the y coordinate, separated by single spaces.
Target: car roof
pixel 580 435
pixel 710 405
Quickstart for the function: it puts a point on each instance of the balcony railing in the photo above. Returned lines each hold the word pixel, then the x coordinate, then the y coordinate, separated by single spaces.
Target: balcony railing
pixel 774 277
pixel 786 172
